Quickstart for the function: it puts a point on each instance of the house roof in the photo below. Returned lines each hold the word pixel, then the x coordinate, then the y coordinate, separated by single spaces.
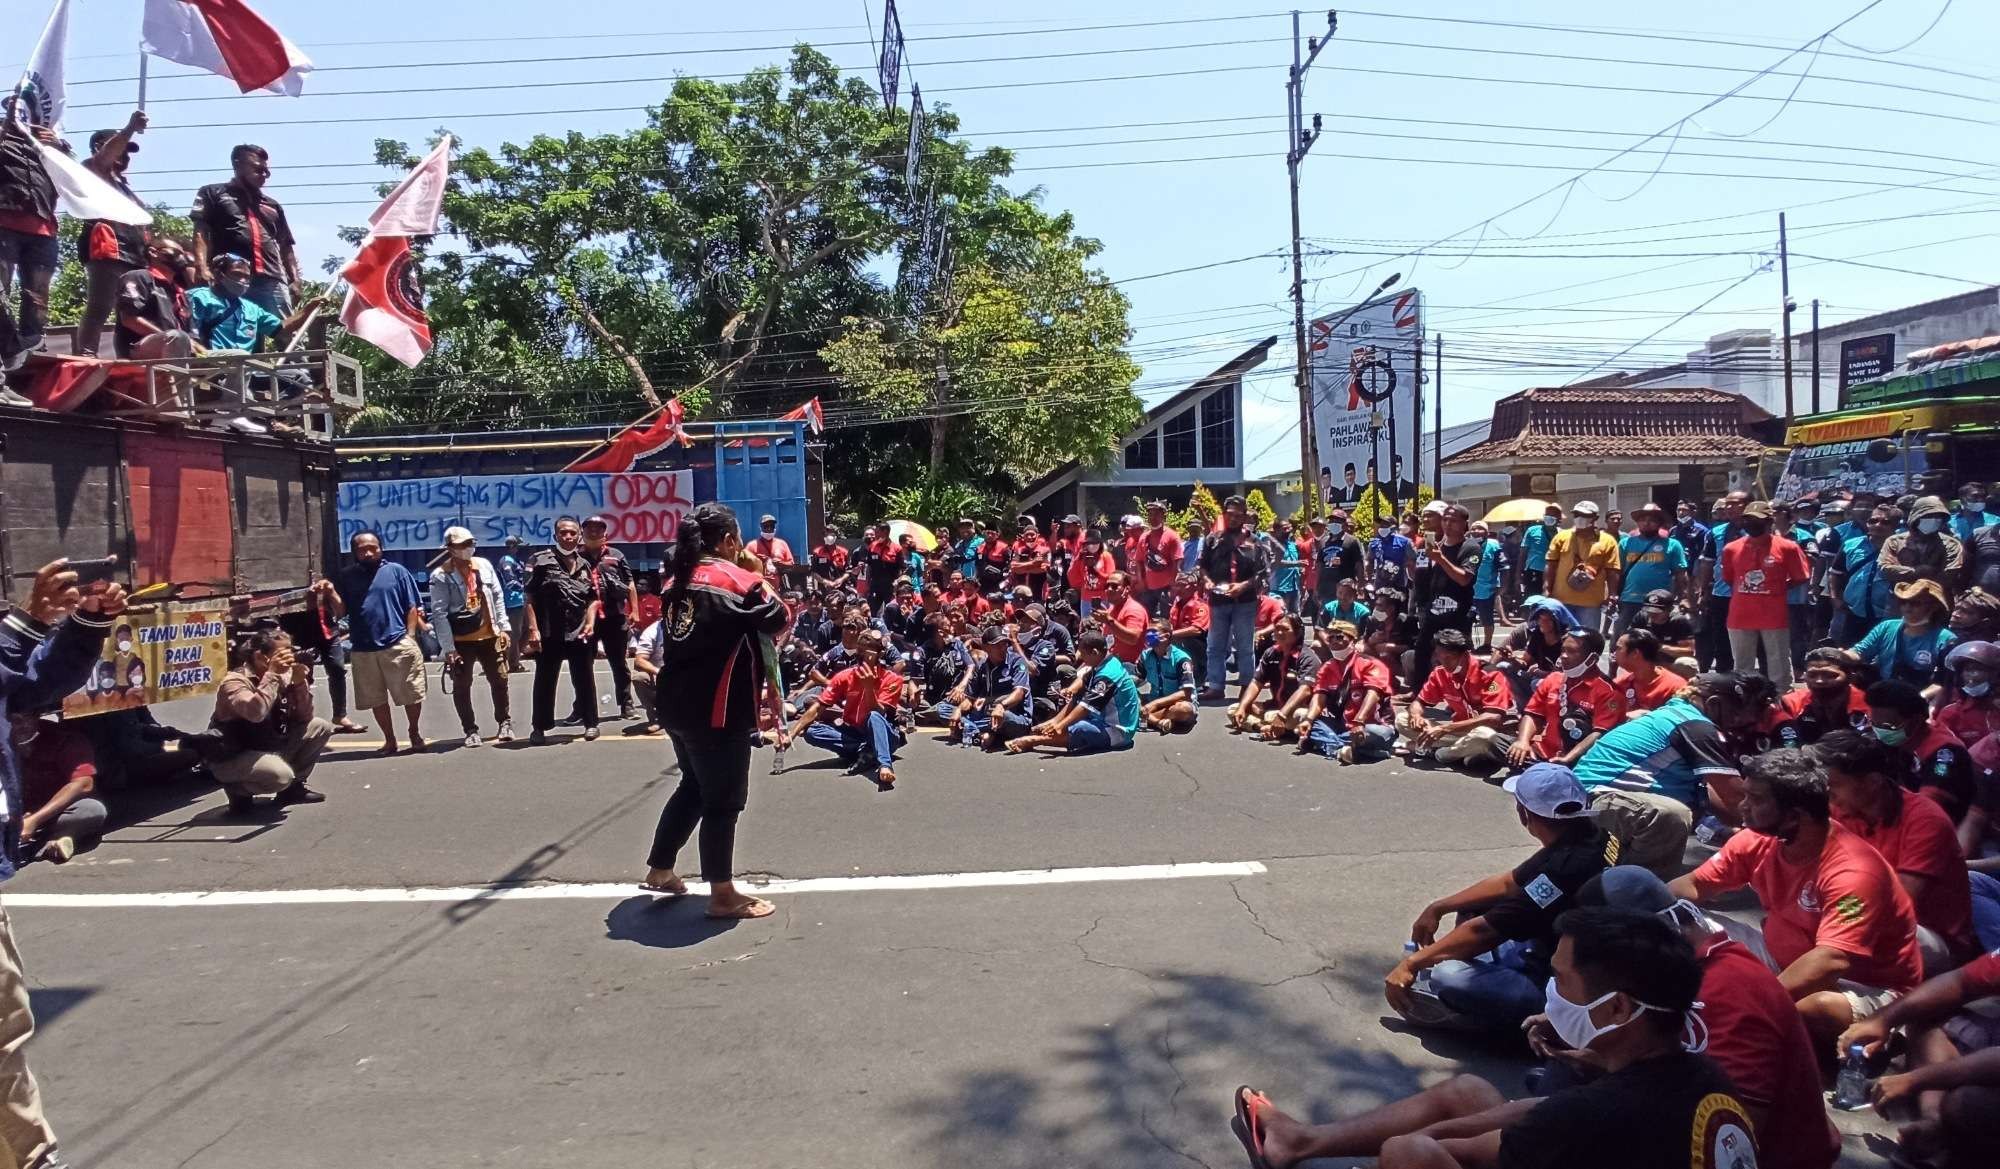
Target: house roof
pixel 1570 423
pixel 1166 408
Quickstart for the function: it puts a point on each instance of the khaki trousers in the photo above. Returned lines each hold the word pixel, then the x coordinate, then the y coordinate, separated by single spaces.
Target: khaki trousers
pixel 24 1132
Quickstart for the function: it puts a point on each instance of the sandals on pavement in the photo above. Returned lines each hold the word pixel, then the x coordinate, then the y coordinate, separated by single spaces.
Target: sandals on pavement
pixel 1249 1126
pixel 753 908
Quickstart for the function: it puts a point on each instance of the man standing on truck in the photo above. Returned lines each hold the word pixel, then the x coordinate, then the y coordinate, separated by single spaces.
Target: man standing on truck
pixel 384 611
pixel 238 218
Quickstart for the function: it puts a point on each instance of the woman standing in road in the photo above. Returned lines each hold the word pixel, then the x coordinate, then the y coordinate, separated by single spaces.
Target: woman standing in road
pixel 717 622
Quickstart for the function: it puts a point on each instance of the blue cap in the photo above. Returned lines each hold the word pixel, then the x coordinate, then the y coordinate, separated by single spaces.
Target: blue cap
pixel 1550 791
pixel 1626 887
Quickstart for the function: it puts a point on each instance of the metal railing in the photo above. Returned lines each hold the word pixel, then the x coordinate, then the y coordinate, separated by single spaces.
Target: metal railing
pixel 304 390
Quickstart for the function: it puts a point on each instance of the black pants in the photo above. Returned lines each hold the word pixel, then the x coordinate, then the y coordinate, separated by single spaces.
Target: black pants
pixel 579 656
pixel 715 784
pixel 1711 645
pixel 614 636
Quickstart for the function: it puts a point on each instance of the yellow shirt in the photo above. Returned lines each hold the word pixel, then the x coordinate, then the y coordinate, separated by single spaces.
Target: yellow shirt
pixel 1597 561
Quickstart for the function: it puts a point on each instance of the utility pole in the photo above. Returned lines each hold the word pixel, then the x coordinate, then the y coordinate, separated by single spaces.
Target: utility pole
pixel 1299 140
pixel 1437 421
pixel 1785 291
pixel 1815 361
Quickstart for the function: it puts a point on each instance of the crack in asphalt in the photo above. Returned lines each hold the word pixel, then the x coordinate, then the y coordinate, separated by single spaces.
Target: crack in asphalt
pixel 1256 919
pixel 220 1137
pixel 1177 765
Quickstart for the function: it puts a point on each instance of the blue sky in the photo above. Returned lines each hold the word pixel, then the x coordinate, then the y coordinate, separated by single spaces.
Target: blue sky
pixel 1415 148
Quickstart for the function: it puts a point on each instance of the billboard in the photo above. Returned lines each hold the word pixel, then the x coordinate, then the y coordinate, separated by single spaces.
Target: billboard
pixel 1866 357
pixel 1365 365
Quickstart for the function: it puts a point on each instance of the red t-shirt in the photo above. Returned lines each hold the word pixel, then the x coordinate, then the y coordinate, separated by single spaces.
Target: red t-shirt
pixel 1130 617
pixel 1479 691
pixel 1357 675
pixel 57 756
pixel 1847 898
pixel 1652 695
pixel 1156 557
pixel 855 700
pixel 1569 709
pixel 1309 575
pixel 773 549
pixel 1755 1035
pixel 1921 841
pixel 1971 719
pixel 1087 577
pixel 1189 611
pixel 1981 976
pixel 1269 609
pixel 1760 569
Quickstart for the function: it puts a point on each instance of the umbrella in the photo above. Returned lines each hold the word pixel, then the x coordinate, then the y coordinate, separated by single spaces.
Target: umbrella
pixel 915 531
pixel 1517 511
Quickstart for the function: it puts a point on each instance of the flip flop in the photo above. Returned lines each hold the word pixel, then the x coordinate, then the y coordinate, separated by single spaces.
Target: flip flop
pixel 680 890
pixel 1249 1126
pixel 754 908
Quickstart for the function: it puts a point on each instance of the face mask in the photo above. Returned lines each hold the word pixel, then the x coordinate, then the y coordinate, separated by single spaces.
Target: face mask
pixel 1550 521
pixel 125 646
pixel 232 285
pixel 1930 526
pixel 1976 507
pixel 1385 532
pixel 1508 530
pixel 1969 689
pixel 1335 529
pixel 1578 670
pixel 461 553
pixel 1572 1020
pixel 1340 655
pixel 1893 736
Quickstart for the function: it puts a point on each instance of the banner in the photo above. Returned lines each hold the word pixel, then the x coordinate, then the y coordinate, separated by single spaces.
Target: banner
pixel 157 655
pixel 410 515
pixel 1866 357
pixel 1364 382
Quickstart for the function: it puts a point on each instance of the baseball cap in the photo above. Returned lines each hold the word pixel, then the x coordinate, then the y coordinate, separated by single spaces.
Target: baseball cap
pixel 1436 507
pixel 1833 506
pixel 1757 509
pixel 1337 515
pixel 1550 791
pixel 457 535
pixel 767 519
pixel 1156 505
pixel 1132 521
pixel 1660 599
pixel 515 541
pixel 992 635
pixel 596 521
pixel 1648 508
pixel 100 137
pixel 1626 887
pixel 1073 518
pixel 1585 508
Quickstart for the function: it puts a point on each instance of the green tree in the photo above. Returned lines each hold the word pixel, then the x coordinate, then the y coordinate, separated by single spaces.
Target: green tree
pixel 1260 509
pixel 70 286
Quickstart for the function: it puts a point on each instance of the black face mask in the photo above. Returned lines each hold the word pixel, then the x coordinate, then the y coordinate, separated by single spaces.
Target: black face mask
pixel 1755 527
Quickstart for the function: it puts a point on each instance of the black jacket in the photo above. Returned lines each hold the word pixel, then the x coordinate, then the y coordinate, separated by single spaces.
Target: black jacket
pixel 24 184
pixel 39 667
pixel 714 642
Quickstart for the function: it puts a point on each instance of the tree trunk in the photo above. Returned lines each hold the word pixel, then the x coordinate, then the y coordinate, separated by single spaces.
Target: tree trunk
pixel 611 341
pixel 938 426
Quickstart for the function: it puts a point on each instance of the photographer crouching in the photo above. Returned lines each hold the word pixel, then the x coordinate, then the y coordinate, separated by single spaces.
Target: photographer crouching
pixel 264 714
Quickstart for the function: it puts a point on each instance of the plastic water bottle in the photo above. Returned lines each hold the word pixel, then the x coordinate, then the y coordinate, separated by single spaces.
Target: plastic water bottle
pixel 778 759
pixel 1712 831
pixel 1851 1090
pixel 1423 983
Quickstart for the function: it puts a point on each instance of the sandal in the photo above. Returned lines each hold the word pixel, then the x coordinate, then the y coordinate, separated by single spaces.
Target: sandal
pixel 754 908
pixel 1249 1126
pixel 678 889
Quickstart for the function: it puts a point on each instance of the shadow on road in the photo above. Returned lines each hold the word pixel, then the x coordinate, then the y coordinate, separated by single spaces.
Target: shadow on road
pixel 664 923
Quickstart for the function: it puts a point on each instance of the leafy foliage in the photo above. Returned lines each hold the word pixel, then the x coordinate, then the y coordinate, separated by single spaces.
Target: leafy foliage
pixel 1260 509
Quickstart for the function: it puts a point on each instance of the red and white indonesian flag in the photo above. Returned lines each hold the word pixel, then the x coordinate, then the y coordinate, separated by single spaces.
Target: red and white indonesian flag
pixel 809 413
pixel 225 37
pixel 385 303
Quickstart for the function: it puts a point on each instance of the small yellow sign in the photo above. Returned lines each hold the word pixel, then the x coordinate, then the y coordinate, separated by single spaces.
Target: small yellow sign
pixel 157 655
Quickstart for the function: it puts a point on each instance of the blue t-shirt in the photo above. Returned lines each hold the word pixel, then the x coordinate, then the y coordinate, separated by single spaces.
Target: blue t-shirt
pixel 1166 675
pixel 1964 523
pixel 1356 612
pixel 1897 653
pixel 513 580
pixel 1724 536
pixel 1487 582
pixel 1394 550
pixel 230 323
pixel 1866 594
pixel 1649 563
pixel 1535 546
pixel 996 679
pixel 1285 580
pixel 378 599
pixel 1669 751
pixel 1112 697
pixel 965 554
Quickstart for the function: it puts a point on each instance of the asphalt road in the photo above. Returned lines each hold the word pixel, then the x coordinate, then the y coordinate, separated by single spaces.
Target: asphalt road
pixel 939 1020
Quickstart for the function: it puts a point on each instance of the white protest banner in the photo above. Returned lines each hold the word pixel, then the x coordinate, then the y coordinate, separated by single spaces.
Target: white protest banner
pixel 643 507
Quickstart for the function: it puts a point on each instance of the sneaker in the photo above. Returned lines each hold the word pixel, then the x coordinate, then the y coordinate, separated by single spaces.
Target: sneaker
pixel 590 734
pixel 575 720
pixel 473 740
pixel 538 738
pixel 628 711
pixel 506 732
pixel 10 398
pixel 298 793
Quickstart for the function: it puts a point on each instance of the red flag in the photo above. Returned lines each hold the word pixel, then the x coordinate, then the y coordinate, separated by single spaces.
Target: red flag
pixel 810 413
pixel 225 37
pixel 385 304
pixel 636 441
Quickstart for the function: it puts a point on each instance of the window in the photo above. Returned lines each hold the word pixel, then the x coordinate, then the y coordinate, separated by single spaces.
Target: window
pixel 1218 429
pixel 1144 452
pixel 1177 440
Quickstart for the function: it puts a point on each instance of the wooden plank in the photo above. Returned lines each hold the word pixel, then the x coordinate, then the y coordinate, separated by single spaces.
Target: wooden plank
pixel 271 518
pixel 60 490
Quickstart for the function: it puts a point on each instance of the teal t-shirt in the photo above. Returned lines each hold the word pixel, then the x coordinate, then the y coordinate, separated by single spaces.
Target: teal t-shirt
pixel 1535 547
pixel 1649 563
pixel 1356 612
pixel 1913 657
pixel 235 323
pixel 1670 751
pixel 1286 580
pixel 1487 582
pixel 1112 694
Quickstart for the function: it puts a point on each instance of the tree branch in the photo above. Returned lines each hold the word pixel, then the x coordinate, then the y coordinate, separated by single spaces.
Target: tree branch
pixel 611 341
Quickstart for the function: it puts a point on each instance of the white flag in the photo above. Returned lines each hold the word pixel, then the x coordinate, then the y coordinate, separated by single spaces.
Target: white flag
pixel 40 96
pixel 86 196
pixel 413 207
pixel 385 301
pixel 228 38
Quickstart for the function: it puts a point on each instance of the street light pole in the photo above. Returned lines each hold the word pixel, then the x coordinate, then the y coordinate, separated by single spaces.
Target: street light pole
pixel 1299 140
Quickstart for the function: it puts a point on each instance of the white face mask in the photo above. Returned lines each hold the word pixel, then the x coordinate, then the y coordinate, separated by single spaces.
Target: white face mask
pixel 1930 525
pixel 1580 669
pixel 1341 655
pixel 1969 689
pixel 1335 529
pixel 461 553
pixel 125 647
pixel 1976 506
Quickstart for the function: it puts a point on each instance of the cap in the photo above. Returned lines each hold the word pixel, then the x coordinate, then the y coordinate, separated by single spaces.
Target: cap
pixel 458 535
pixel 1337 514
pixel 767 519
pixel 1757 509
pixel 1585 508
pixel 1550 791
pixel 1346 627
pixel 596 521
pixel 1834 506
pixel 1626 887
pixel 1156 505
pixel 1024 592
pixel 1910 590
pixel 905 585
pixel 1320 520
pixel 1073 518
pixel 515 541
pixel 1660 599
pixel 992 635
pixel 966 520
pixel 1436 507
pixel 1649 507
pixel 1132 521
pixel 100 137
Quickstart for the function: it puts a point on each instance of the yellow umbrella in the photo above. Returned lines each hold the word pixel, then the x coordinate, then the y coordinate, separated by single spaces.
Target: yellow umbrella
pixel 1517 511
pixel 925 541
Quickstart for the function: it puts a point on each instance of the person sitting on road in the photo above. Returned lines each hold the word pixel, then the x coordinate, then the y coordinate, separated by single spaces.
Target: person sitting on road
pixel 995 705
pixel 1624 987
pixel 1170 682
pixel 1392 631
pixel 1662 617
pixel 1935 762
pixel 1101 715
pixel 1488 972
pixel 1830 701
pixel 1952 1023
pixel 1531 651
pixel 1838 928
pixel 1973 714
pixel 1648 775
pixel 648 652
pixel 270 740
pixel 58 782
pixel 1473 702
pixel 1916 837
pixel 947 664
pixel 1274 702
pixel 1644 681
pixel 1350 719
pixel 1571 708
pixel 1912 648
pixel 854 717
pixel 1050 651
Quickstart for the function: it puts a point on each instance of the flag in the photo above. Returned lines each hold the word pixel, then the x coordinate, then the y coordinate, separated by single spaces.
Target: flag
pixel 39 98
pixel 811 414
pixel 636 441
pixel 228 38
pixel 86 196
pixel 385 301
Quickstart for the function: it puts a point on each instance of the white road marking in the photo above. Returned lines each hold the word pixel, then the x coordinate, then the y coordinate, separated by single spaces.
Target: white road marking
pixel 620 890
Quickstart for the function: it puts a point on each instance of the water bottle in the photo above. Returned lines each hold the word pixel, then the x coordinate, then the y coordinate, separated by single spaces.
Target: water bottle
pixel 1423 983
pixel 778 759
pixel 1712 831
pixel 1851 1089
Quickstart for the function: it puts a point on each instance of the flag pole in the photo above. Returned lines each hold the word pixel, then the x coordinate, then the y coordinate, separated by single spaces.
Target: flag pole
pixel 142 79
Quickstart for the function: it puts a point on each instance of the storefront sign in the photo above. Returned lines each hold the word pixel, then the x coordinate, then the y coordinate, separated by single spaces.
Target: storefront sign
pixel 155 655
pixel 643 507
